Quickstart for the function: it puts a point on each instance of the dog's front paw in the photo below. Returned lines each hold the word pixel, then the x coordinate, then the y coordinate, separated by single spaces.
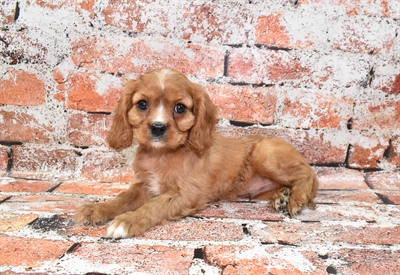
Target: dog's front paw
pixel 98 213
pixel 280 200
pixel 125 225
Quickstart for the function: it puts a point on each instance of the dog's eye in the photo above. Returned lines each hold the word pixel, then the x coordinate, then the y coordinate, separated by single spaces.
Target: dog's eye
pixel 143 105
pixel 180 108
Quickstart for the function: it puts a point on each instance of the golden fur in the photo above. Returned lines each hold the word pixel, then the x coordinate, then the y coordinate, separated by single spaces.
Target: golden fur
pixel 182 164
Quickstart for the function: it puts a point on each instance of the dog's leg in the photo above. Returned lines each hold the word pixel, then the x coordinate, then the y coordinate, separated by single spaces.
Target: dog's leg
pixel 280 162
pixel 99 213
pixel 158 210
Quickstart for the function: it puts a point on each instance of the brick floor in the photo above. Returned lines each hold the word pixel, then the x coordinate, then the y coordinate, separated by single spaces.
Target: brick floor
pixel 354 230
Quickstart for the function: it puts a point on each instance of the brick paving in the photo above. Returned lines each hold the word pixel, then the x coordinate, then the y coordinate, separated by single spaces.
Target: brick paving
pixel 354 230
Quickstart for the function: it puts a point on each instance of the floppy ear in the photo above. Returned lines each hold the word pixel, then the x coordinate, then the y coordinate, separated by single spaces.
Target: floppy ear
pixel 201 134
pixel 120 135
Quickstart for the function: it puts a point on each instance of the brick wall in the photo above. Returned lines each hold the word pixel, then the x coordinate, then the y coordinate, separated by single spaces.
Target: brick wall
pixel 324 76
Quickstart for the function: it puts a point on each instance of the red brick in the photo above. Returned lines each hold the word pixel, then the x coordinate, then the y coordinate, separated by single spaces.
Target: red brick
pixel 270 31
pixel 346 196
pixel 361 35
pixel 79 5
pixel 384 180
pixel 327 212
pixel 145 259
pixel 242 210
pixel 246 104
pixel 367 151
pixel 391 196
pixel 91 92
pixel 366 155
pixel 394 151
pixel 13 222
pixel 24 127
pixel 43 203
pixel 26 186
pixel 298 234
pixel 377 115
pixel 92 188
pixel 106 166
pixel 387 77
pixel 367 261
pixel 3 160
pixel 340 179
pixel 196 230
pixel 88 129
pixel 215 22
pixel 111 55
pixel 346 33
pixel 253 65
pixel 18 87
pixel 130 15
pixel 43 163
pixel 303 109
pixel 32 253
pixel 315 147
pixel 387 8
pixel 241 259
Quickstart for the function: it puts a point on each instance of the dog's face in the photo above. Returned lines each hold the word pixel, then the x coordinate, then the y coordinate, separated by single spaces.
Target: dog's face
pixel 162 109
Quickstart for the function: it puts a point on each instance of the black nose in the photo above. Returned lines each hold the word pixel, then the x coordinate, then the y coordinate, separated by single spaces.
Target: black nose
pixel 158 129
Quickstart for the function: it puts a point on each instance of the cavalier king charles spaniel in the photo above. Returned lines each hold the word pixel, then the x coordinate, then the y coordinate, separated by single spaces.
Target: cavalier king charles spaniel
pixel 182 164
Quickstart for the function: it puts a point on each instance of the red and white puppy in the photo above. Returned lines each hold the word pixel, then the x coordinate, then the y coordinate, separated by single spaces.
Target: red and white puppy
pixel 182 164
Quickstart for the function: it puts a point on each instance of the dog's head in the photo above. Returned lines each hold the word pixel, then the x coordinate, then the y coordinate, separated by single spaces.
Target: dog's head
pixel 162 109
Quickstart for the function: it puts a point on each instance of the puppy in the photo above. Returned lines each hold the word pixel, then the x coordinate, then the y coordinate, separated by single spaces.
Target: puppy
pixel 182 164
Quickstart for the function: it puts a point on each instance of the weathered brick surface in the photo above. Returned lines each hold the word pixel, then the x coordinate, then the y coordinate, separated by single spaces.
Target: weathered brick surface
pixel 12 221
pixel 387 77
pixel 335 31
pixel 261 260
pixel 340 178
pixel 91 92
pixel 34 252
pixel 88 129
pixel 367 261
pixel 3 160
pixel 377 115
pixel 206 230
pixel 235 102
pixel 43 163
pixel 145 259
pixel 315 110
pixel 236 210
pixel 264 66
pixel 24 127
pixel 42 203
pixel 18 87
pixel 297 234
pixel 321 75
pixel 347 196
pixel 26 186
pixel 93 188
pixel 384 180
pixel 111 55
pixel 107 167
pixel 262 62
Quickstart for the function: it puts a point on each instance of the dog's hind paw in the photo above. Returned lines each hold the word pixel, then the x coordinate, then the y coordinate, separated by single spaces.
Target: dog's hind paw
pixel 280 200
